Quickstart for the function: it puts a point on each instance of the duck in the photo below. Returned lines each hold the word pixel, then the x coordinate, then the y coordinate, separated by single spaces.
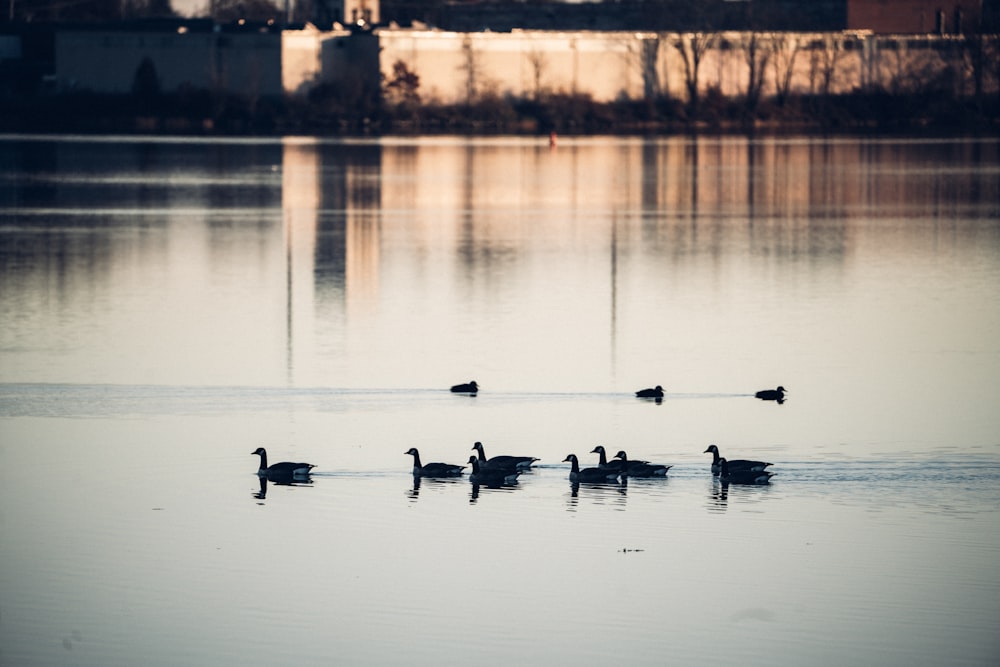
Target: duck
pixel 519 462
pixel 491 476
pixel 744 476
pixel 466 388
pixel 576 474
pixel 772 394
pixel 433 469
pixel 737 464
pixel 283 469
pixel 614 464
pixel 655 392
pixel 640 468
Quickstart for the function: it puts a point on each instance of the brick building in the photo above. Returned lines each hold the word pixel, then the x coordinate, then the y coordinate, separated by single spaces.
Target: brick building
pixel 914 16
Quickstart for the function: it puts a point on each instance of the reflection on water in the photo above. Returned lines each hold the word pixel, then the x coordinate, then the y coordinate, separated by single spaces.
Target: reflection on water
pixel 600 493
pixel 332 231
pixel 288 480
pixel 169 305
pixel 435 485
pixel 493 487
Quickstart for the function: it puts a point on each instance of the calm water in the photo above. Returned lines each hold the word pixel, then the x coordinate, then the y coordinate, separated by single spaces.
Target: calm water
pixel 169 306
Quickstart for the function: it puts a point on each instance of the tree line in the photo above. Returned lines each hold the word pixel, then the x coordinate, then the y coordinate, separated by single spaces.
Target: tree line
pixel 954 86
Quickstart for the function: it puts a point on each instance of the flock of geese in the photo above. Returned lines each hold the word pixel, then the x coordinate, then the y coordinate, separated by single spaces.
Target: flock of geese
pixel 657 393
pixel 504 470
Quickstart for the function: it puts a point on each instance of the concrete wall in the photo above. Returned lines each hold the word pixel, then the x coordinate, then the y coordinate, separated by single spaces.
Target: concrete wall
pixel 310 57
pixel 604 65
pixel 456 67
pixel 106 61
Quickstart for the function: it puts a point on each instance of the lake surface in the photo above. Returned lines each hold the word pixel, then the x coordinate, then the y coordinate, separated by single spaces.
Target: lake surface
pixel 168 306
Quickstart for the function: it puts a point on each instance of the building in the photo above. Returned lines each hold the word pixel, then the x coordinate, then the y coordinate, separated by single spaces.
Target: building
pixel 266 60
pixel 197 55
pixel 914 16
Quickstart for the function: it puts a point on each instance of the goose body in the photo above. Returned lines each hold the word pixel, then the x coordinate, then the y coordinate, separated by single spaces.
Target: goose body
pixel 745 476
pixel 283 469
pixel 493 477
pixel 519 462
pixel 771 394
pixel 466 388
pixel 613 464
pixel 576 474
pixel 655 392
pixel 640 468
pixel 433 469
pixel 736 464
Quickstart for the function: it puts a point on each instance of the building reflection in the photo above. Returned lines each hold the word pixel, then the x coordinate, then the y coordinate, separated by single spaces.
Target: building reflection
pixel 300 206
pixel 331 209
pixel 478 215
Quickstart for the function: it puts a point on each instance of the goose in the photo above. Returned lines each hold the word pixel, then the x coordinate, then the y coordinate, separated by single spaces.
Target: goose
pixel 641 468
pixel 467 388
pixel 491 476
pixel 519 462
pixel 737 464
pixel 656 392
pixel 744 476
pixel 772 394
pixel 283 469
pixel 433 469
pixel 614 464
pixel 589 474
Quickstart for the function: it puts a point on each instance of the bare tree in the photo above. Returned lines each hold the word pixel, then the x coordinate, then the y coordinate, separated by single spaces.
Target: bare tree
pixel 692 48
pixel 538 62
pixel 785 49
pixel 640 53
pixel 902 70
pixel 648 58
pixel 825 58
pixel 757 55
pixel 472 69
pixel 980 52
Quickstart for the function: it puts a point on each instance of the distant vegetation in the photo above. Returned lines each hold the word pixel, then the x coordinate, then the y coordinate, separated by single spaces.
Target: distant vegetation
pixel 908 99
pixel 397 108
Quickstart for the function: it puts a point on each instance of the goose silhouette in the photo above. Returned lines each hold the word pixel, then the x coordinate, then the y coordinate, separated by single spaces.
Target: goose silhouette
pixel 736 464
pixel 433 469
pixel 466 388
pixel 278 470
pixel 613 464
pixel 655 392
pixel 491 477
pixel 503 461
pixel 577 474
pixel 640 468
pixel 772 394
pixel 728 476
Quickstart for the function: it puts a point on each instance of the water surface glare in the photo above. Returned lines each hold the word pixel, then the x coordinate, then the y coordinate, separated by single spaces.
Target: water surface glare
pixel 169 306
